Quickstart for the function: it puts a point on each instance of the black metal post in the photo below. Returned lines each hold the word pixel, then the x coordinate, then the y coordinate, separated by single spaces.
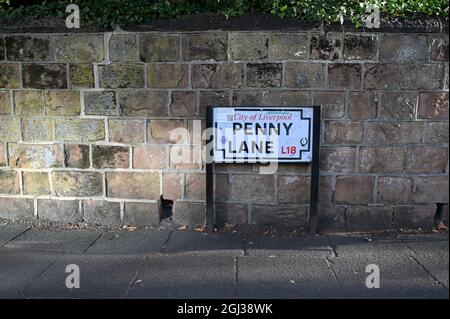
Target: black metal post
pixel 314 195
pixel 209 174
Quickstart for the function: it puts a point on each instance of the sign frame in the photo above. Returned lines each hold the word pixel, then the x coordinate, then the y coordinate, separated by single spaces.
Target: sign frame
pixel 227 158
pixel 314 193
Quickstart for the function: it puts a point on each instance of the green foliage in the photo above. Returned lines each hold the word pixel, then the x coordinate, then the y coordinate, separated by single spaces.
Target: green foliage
pixel 110 13
pixel 330 11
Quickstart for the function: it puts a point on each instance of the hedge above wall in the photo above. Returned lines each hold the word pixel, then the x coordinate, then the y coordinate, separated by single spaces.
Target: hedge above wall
pixel 101 14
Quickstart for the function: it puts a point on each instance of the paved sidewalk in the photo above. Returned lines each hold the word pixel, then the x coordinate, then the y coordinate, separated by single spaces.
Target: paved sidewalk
pixel 185 264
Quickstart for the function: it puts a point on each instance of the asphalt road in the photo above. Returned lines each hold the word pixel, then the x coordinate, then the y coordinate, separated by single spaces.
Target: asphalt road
pixel 185 264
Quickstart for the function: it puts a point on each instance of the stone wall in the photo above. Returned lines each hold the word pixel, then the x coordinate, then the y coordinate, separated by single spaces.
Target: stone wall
pixel 85 121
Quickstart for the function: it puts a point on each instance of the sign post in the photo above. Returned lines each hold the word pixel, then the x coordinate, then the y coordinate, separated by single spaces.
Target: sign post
pixel 209 174
pixel 264 134
pixel 315 168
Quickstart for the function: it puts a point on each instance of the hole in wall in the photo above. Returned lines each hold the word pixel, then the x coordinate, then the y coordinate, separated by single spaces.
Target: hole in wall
pixel 166 214
pixel 439 211
pixel 166 206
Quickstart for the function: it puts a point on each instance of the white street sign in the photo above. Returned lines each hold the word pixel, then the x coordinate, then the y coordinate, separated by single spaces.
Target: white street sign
pixel 262 134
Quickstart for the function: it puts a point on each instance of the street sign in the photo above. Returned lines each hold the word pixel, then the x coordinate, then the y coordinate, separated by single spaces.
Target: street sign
pixel 259 134
pixel 262 134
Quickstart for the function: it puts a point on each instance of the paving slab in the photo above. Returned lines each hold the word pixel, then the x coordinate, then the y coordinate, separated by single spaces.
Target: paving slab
pixel 61 240
pixel 285 278
pixel 423 237
pixel 100 277
pixel 314 246
pixel 400 275
pixel 123 242
pixel 363 245
pixel 18 269
pixel 10 231
pixel 185 277
pixel 433 255
pixel 204 243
